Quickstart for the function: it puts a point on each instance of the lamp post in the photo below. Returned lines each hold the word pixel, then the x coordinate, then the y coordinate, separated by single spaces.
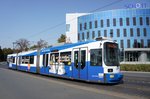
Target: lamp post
pixel 13 46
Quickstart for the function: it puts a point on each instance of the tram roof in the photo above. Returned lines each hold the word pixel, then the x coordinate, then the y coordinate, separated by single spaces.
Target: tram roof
pixel 65 46
pixel 56 48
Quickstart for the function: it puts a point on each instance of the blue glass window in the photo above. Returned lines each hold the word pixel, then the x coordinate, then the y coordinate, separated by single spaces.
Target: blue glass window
pixel 87 37
pixel 127 22
pixel 114 22
pixel 105 33
pixel 93 34
pixel 134 20
pixel 141 21
pixel 83 36
pixel 90 25
pixel 67 27
pixel 147 21
pixel 96 24
pixel 125 32
pixel 102 23
pixel 121 21
pixel 108 23
pixel 145 32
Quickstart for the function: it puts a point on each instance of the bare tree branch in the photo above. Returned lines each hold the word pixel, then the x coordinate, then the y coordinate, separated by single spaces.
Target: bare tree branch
pixel 22 44
pixel 41 44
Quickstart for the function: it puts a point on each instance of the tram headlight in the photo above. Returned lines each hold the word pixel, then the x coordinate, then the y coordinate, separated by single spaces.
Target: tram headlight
pixel 111 76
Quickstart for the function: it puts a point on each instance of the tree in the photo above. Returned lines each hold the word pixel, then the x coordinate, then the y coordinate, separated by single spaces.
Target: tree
pixel 7 51
pixel 33 47
pixel 62 38
pixel 1 55
pixel 40 44
pixel 22 44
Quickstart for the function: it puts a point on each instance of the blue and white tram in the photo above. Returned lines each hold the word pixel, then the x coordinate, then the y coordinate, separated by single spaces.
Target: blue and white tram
pixel 26 61
pixel 94 61
pixel 11 59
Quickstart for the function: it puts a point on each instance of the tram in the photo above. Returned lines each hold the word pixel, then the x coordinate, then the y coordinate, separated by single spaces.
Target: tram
pixel 92 61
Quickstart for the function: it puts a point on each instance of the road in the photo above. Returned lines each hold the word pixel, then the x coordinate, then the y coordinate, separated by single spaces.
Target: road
pixel 21 85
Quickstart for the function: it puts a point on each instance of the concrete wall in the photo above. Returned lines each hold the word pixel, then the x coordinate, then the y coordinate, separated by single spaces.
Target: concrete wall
pixel 72 21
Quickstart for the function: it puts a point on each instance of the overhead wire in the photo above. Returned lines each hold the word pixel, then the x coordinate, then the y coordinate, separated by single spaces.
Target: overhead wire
pixel 112 3
pixel 62 23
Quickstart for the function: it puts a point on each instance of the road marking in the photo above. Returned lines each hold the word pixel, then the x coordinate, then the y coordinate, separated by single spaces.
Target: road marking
pixel 98 91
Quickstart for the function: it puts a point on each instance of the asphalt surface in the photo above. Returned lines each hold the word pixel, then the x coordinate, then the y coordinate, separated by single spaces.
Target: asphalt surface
pixel 22 85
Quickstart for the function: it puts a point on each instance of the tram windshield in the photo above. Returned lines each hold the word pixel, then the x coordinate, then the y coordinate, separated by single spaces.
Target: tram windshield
pixel 111 54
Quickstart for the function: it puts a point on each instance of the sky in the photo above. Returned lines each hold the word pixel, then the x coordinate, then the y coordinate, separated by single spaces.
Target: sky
pixel 45 19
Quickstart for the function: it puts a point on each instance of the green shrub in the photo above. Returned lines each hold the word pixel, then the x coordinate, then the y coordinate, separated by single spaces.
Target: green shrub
pixel 135 67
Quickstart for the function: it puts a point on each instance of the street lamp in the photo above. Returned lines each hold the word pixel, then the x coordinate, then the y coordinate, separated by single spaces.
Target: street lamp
pixel 13 46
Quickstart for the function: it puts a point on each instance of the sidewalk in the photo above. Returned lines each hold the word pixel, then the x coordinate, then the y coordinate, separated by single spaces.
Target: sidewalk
pixel 3 63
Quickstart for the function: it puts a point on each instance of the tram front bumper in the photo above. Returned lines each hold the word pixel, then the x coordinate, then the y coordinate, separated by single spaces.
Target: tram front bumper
pixel 113 78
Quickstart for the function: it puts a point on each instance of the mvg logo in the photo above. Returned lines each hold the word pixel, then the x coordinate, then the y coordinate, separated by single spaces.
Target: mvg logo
pixel 136 5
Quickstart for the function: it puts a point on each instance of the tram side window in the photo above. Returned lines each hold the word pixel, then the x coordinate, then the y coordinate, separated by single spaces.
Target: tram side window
pixel 46 59
pixel 96 57
pixel 27 59
pixel 13 59
pixel 31 59
pixel 54 58
pixel 23 57
pixel 43 59
pixel 65 57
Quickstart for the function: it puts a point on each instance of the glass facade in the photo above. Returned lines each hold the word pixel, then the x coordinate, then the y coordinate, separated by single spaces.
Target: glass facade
pixel 129 27
pixel 120 25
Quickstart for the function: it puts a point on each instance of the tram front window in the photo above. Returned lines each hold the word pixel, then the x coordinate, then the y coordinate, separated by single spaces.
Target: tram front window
pixel 111 54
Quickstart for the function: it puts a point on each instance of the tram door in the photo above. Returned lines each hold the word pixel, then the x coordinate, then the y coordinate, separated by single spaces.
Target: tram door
pixel 45 63
pixel 38 62
pixel 16 61
pixel 80 69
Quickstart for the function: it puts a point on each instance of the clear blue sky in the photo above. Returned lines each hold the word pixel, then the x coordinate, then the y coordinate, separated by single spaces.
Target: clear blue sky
pixel 28 18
